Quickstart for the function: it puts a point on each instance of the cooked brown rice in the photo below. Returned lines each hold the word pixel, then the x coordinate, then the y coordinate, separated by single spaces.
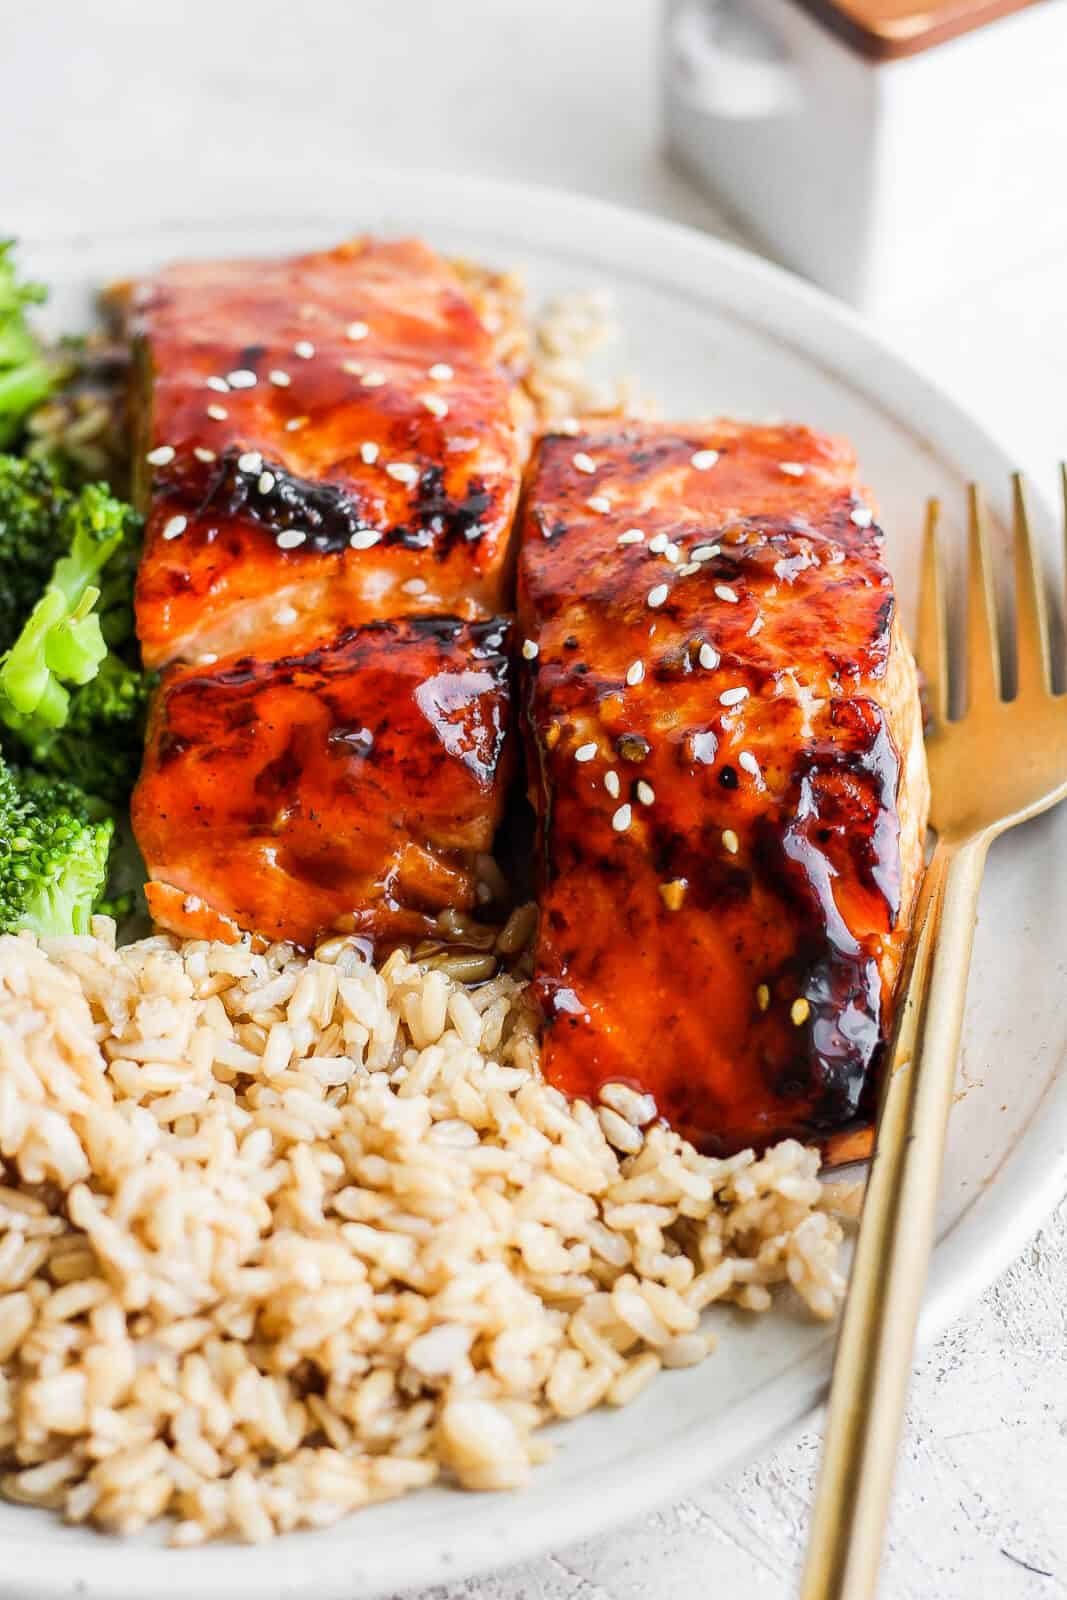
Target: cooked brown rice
pixel 281 1237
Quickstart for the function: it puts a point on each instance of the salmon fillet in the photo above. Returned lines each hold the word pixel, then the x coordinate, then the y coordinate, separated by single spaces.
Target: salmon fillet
pixel 321 441
pixel 347 789
pixel 725 757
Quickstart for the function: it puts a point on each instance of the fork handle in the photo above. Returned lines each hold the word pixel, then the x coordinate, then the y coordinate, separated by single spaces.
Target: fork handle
pixel 873 1361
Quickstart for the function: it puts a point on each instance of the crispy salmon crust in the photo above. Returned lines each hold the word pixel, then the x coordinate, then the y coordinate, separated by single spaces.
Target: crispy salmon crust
pixel 725 756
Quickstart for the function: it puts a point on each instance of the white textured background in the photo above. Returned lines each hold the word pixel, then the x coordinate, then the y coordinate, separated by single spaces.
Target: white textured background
pixel 115 110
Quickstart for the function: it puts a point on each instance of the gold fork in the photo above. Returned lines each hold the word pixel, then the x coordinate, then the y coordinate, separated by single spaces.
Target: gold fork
pixel 1000 763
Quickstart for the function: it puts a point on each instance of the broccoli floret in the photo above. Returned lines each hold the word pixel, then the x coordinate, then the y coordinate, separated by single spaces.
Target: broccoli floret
pixel 54 848
pixel 124 897
pixel 101 743
pixel 71 690
pixel 26 375
pixel 63 642
pixel 32 538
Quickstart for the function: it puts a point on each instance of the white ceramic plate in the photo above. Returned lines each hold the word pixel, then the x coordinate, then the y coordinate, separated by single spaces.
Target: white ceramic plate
pixel 708 328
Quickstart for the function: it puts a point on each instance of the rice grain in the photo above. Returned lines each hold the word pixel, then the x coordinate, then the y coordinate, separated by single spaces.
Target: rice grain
pixel 284 1236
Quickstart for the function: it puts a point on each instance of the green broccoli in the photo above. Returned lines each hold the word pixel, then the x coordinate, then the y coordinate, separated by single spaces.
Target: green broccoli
pixel 124 897
pixel 100 745
pixel 54 847
pixel 26 375
pixel 33 536
pixel 62 641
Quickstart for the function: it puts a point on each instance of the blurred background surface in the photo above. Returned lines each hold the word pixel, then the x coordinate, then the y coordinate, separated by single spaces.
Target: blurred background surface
pixel 116 113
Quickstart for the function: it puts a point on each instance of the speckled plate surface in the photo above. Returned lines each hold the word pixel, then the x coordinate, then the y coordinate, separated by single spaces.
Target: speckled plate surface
pixel 706 328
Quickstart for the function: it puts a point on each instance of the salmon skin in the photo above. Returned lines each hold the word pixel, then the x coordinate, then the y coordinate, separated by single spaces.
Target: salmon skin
pixel 725 757
pixel 321 441
pixel 348 789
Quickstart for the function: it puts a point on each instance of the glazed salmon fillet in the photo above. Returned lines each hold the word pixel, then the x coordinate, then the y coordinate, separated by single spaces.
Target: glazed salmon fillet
pixel 329 453
pixel 321 441
pixel 347 789
pixel 725 756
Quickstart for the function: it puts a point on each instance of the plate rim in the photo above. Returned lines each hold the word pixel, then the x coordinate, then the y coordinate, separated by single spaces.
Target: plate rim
pixel 1006 1212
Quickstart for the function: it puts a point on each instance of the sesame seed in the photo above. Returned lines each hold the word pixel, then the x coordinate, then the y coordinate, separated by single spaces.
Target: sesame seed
pixel 290 538
pixel 799 1012
pixel 304 349
pixel 634 673
pixel 265 483
pixel 585 752
pixel 724 592
pixel 705 552
pixel 250 461
pixel 440 372
pixel 622 819
pixel 673 893
pixel 219 385
pixel 611 783
pixel 364 538
pixel 296 423
pixel 202 453
pixel 657 595
pixel 645 792
pixel 730 841
pixel 241 379
pixel 703 459
pixel 583 462
pixel 671 551
pixel 757 624
pixel 355 369
pixel 748 763
pixel 208 659
pixel 631 536
pixel 161 456
pixel 369 452
pixel 403 472
pixel 733 697
pixel 763 996
pixel 568 425
pixel 530 649
pixel 599 502
pixel 373 380
pixel 708 657
pixel 792 469
pixel 175 527
pixel 217 413
pixel 285 615
pixel 688 568
pixel 279 378
pixel 658 543
pixel 435 405
pixel 356 331
pixel 415 586
pixel 862 517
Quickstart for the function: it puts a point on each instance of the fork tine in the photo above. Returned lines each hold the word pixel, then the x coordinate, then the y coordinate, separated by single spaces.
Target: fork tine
pixel 931 639
pixel 983 648
pixel 1031 615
